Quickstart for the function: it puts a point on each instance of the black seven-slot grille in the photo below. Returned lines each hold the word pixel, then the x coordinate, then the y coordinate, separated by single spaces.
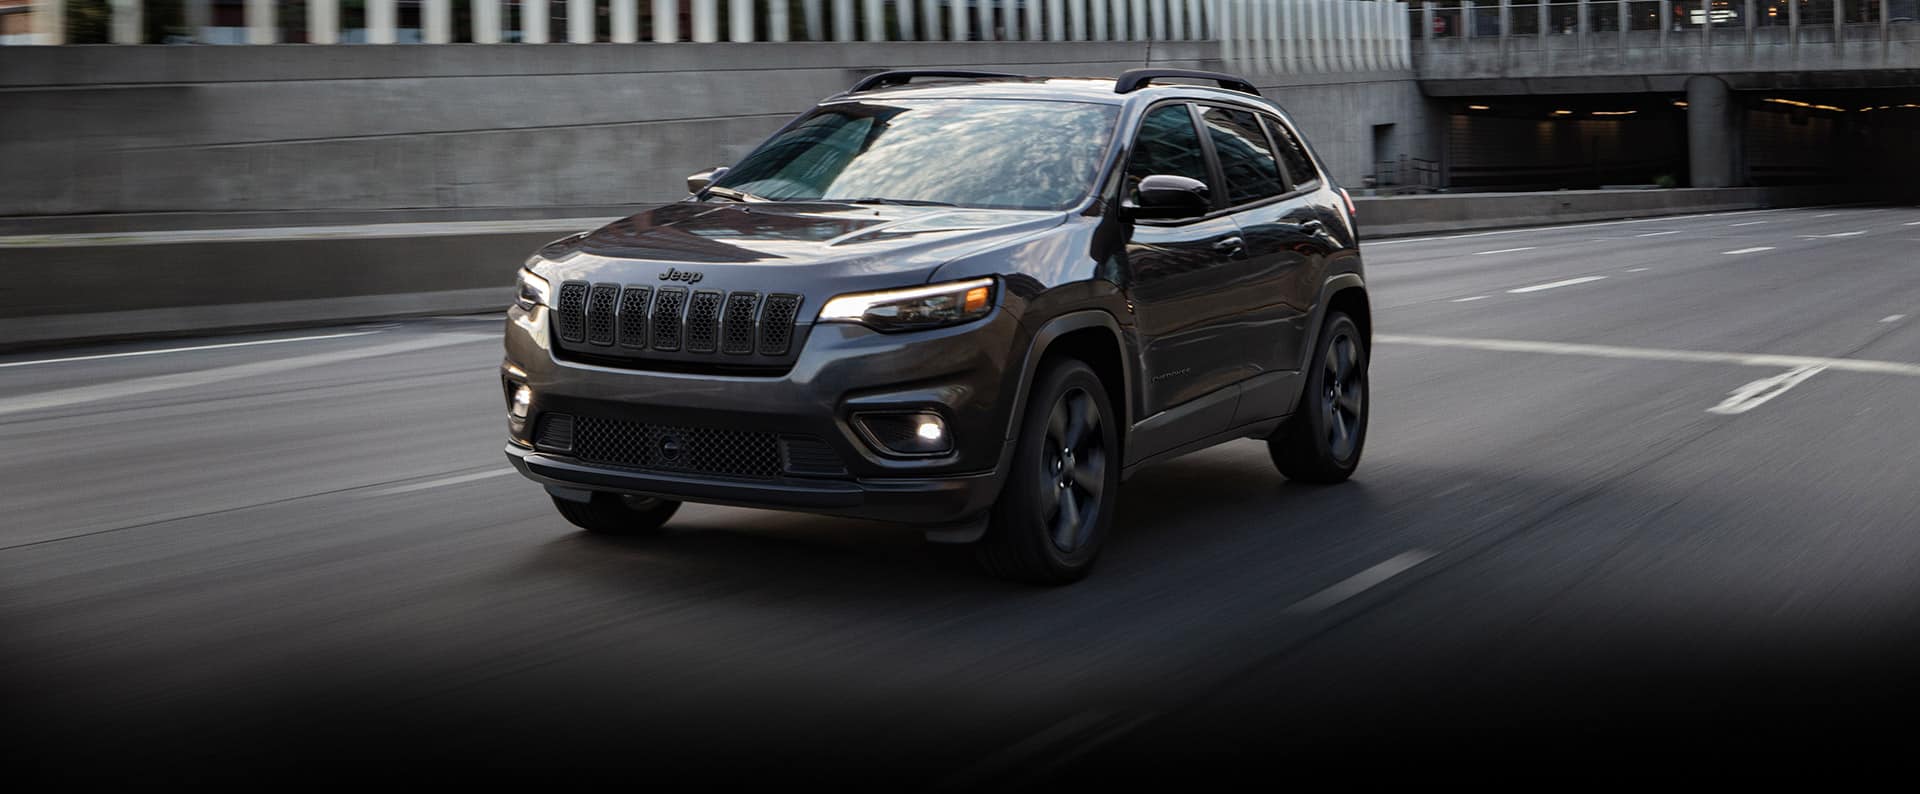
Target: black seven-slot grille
pixel 693 450
pixel 675 324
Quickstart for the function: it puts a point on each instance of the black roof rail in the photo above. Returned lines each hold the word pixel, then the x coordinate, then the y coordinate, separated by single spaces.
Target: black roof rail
pixel 1133 80
pixel 903 76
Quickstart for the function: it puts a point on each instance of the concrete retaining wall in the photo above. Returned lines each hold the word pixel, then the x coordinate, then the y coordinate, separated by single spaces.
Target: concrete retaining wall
pixel 1408 215
pixel 119 130
pixel 66 288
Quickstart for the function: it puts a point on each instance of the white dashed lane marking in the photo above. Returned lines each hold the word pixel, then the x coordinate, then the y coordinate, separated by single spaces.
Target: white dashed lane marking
pixel 1893 318
pixel 1556 284
pixel 1503 251
pixel 1748 223
pixel 1753 250
pixel 1471 299
pixel 1656 234
pixel 1360 582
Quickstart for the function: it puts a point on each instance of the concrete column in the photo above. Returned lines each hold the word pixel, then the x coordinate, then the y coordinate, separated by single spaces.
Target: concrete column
pixel 1077 19
pixel 957 21
pixel 1623 21
pixel 127 22
pixel 903 11
pixel 1793 28
pixel 666 20
pixel 263 26
pixel 779 18
pixel 1056 20
pixel 580 21
pixel 436 21
pixel 383 16
pixel 1712 134
pixel 1426 21
pixel 706 20
pixel 983 19
pixel 199 16
pixel 843 20
pixel 1666 21
pixel 486 21
pixel 50 22
pixel 624 22
pixel 1097 13
pixel 1750 12
pixel 1010 18
pixel 929 20
pixel 739 19
pixel 1139 14
pixel 813 16
pixel 875 28
pixel 1839 24
pixel 1543 22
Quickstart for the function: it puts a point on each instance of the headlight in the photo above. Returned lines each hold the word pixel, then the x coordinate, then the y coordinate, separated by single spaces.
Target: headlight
pixel 533 291
pixel 931 306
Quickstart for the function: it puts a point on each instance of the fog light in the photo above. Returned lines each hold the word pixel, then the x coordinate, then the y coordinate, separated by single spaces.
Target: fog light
pixel 906 433
pixel 522 401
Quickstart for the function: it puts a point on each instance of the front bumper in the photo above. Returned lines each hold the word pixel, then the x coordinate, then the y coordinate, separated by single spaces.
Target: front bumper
pixel 918 500
pixel 968 374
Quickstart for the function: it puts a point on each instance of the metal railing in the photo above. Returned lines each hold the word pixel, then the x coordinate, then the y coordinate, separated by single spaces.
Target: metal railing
pixel 1277 35
pixel 1810 20
pixel 1406 172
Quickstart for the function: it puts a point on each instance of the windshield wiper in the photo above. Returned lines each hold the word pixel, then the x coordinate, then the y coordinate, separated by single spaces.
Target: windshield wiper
pixel 899 201
pixel 730 193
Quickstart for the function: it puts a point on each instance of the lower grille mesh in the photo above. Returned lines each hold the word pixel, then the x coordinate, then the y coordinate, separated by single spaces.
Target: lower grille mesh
pixel 699 450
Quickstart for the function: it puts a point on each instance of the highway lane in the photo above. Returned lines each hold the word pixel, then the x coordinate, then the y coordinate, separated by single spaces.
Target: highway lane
pixel 308 551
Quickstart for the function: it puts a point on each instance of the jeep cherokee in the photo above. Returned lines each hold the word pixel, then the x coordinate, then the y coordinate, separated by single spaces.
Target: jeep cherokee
pixel 967 301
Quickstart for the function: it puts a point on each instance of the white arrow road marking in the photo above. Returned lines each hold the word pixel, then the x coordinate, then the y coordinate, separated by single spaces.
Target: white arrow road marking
pixel 1757 393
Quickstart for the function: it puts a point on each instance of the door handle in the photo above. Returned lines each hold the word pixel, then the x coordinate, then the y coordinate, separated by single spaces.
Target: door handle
pixel 1231 246
pixel 1313 228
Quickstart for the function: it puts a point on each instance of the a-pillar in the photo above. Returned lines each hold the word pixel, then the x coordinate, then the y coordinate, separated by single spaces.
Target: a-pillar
pixel 1713 133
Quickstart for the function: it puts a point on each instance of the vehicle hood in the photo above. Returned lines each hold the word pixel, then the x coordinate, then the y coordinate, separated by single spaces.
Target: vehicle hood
pixel 805 247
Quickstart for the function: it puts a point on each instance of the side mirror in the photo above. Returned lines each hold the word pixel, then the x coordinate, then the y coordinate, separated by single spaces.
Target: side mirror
pixel 700 181
pixel 1165 196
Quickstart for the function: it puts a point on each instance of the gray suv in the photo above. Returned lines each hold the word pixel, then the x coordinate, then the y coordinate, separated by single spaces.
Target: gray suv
pixel 966 301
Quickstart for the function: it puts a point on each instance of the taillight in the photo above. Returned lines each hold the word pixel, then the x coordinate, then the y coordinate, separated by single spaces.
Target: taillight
pixel 1351 209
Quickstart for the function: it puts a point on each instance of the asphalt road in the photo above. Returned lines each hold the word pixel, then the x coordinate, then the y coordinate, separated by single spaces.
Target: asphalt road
pixel 1632 490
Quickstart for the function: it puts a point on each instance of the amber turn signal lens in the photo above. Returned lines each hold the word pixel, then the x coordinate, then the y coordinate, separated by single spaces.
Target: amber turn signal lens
pixel 976 300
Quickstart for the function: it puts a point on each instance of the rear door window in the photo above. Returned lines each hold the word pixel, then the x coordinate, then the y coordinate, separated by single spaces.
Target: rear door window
pixel 1300 168
pixel 1246 158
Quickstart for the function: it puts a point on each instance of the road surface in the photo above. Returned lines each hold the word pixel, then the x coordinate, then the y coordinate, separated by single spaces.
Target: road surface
pixel 1631 490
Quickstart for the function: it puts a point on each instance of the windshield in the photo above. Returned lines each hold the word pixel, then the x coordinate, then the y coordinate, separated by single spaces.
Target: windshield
pixel 964 152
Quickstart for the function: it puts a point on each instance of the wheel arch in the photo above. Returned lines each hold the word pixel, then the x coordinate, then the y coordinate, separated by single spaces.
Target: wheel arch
pixel 1093 336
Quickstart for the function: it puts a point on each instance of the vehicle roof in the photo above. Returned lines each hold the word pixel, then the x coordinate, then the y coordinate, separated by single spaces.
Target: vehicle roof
pixel 1068 89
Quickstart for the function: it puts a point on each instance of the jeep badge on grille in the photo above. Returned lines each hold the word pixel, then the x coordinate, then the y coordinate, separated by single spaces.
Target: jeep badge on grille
pixel 688 276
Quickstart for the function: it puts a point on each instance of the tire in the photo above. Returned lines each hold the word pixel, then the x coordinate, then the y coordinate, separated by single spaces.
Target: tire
pixel 1322 441
pixel 1058 502
pixel 617 514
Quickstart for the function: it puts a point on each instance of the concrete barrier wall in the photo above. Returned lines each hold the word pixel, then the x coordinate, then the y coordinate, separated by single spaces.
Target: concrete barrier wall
pixel 1399 216
pixel 66 288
